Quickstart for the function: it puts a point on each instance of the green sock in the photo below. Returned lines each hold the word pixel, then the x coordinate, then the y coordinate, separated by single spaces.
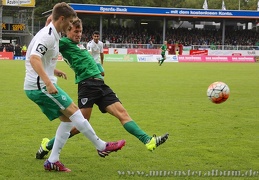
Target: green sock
pixel 50 144
pixel 135 130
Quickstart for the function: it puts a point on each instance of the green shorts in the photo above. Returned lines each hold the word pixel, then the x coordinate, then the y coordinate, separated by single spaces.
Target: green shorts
pixel 100 67
pixel 50 104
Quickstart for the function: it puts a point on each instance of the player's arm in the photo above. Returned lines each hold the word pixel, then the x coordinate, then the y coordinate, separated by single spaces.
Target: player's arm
pixel 49 19
pixel 37 65
pixel 101 56
pixel 101 53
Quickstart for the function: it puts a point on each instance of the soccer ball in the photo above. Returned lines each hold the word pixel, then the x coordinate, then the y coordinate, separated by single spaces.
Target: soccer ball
pixel 218 92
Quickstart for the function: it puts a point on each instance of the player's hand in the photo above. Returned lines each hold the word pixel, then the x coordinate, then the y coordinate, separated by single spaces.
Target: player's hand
pixel 51 89
pixel 60 74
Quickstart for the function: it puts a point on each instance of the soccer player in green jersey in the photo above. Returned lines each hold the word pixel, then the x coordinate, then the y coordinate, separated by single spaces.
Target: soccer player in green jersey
pixel 163 50
pixel 92 90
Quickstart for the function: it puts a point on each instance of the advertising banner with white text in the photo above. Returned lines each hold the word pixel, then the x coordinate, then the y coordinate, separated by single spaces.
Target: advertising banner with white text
pixel 195 58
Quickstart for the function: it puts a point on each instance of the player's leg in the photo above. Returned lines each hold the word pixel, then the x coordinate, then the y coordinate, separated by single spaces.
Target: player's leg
pixel 162 60
pixel 48 144
pixel 111 104
pixel 87 114
pixel 86 129
pixel 62 133
pixel 50 105
pixel 86 110
pixel 73 114
pixel 78 120
pixel 117 110
pixel 110 146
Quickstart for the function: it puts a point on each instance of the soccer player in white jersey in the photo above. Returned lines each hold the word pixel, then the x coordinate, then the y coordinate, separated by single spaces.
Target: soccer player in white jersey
pixel 95 47
pixel 41 87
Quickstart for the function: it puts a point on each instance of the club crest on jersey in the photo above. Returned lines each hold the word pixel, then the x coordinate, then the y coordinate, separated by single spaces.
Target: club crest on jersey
pixel 41 49
pixel 84 101
pixel 64 98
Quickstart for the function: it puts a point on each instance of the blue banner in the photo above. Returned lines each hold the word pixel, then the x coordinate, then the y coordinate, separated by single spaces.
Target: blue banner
pixel 155 11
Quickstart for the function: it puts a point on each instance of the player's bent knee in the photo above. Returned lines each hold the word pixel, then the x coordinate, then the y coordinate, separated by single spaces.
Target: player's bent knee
pixel 70 110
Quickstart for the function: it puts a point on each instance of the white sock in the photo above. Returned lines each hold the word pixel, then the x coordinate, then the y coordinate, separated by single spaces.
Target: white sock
pixel 61 137
pixel 85 128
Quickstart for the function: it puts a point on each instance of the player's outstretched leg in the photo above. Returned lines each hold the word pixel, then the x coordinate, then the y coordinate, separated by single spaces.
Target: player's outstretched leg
pixel 156 141
pixel 43 151
pixel 150 142
pixel 111 147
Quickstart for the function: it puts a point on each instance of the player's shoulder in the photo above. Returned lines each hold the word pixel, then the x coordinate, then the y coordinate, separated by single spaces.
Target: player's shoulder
pixel 48 30
pixel 43 37
pixel 48 34
pixel 89 43
pixel 100 42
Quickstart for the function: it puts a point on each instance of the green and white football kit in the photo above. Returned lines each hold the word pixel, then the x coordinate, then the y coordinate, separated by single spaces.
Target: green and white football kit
pixel 45 44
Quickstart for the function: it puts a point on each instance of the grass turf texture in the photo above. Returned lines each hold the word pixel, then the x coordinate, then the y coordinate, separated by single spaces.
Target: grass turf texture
pixel 171 98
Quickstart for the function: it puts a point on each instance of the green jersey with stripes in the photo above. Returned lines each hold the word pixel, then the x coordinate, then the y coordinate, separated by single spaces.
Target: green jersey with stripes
pixel 164 48
pixel 79 59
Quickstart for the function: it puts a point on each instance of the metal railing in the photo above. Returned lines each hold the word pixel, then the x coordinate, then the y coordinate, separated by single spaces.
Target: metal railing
pixel 193 47
pixel 128 45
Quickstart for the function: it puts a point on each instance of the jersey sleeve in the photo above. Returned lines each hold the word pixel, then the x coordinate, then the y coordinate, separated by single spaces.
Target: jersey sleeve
pixel 41 46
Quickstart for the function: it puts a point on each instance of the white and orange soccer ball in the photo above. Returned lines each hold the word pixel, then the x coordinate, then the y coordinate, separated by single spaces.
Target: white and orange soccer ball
pixel 218 92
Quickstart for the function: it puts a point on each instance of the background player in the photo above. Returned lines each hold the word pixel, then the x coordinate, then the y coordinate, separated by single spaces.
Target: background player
pixel 95 47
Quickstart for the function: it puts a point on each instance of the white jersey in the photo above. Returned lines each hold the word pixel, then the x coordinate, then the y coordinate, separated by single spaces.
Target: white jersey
pixel 95 49
pixel 45 44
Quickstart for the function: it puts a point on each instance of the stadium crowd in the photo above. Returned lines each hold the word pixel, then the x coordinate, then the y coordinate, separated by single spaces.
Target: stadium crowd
pixel 181 35
pixel 17 49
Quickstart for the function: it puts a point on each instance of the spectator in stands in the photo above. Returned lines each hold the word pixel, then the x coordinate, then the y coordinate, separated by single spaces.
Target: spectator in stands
pixel 150 44
pixel 177 52
pixel 24 50
pixel 18 50
pixel 9 48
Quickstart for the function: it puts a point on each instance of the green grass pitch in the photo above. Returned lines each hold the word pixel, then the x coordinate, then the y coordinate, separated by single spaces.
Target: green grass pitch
pixel 205 140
